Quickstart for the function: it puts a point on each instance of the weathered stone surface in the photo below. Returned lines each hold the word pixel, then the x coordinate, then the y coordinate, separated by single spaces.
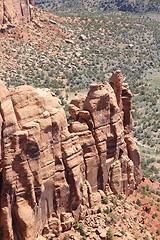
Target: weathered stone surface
pixel 116 83
pixel 107 112
pixel 67 221
pixel 52 174
pixel 14 11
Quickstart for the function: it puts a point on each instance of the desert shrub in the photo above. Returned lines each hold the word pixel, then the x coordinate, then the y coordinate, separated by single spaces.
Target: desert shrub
pixel 154 215
pixel 158 192
pixel 152 203
pixel 107 210
pixel 146 237
pixel 110 235
pixel 138 202
pixel 104 200
pixel 80 229
pixel 120 197
pixel 114 201
pixel 158 231
pixel 114 217
pixel 99 210
pixel 136 207
pixel 123 232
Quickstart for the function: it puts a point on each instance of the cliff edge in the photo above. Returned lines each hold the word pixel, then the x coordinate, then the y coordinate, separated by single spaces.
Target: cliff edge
pixel 53 172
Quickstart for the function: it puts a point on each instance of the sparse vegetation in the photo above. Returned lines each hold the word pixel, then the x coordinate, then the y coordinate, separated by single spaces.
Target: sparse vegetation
pixel 78 5
pixel 113 40
pixel 158 231
pixel 110 235
pixel 107 210
pixel 120 197
pixel 138 202
pixel 154 215
pixel 104 200
pixel 80 228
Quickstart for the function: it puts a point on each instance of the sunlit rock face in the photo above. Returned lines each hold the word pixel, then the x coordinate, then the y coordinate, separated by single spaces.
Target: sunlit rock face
pixel 106 111
pixel 13 11
pixel 51 172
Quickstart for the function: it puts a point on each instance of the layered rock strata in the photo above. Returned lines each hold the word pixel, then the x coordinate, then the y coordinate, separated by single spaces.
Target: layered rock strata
pixel 13 11
pixel 52 173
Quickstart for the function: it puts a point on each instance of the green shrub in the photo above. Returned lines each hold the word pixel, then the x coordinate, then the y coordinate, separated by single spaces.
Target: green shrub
pixel 99 210
pixel 114 201
pixel 158 207
pixel 146 237
pixel 123 232
pixel 136 207
pixel 158 231
pixel 110 235
pixel 120 197
pixel 114 217
pixel 154 215
pixel 104 200
pixel 107 210
pixel 138 202
pixel 80 229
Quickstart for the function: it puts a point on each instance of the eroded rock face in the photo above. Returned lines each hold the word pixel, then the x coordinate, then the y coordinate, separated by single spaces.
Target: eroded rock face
pixel 52 174
pixel 12 11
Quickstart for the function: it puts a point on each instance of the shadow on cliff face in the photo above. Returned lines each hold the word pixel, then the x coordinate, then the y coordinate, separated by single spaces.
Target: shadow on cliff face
pixel 1 183
pixel 29 152
pixel 29 148
pixel 1 186
pixel 19 167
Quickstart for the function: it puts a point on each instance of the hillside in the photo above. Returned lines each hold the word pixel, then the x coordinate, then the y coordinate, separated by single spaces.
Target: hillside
pixel 118 217
pixel 66 52
pixel 121 5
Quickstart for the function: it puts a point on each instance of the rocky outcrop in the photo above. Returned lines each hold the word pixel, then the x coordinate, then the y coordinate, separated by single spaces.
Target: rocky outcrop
pixel 107 113
pixel 52 173
pixel 12 12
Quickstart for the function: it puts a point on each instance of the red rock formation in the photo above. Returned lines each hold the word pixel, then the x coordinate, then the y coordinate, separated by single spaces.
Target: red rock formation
pixel 133 151
pixel 12 11
pixel 52 174
pixel 107 113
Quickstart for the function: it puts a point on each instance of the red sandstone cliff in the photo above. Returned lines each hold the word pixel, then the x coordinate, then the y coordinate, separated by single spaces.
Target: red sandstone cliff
pixel 12 11
pixel 52 174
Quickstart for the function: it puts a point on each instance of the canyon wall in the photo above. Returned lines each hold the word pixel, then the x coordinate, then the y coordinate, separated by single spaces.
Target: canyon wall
pixel 13 11
pixel 53 172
